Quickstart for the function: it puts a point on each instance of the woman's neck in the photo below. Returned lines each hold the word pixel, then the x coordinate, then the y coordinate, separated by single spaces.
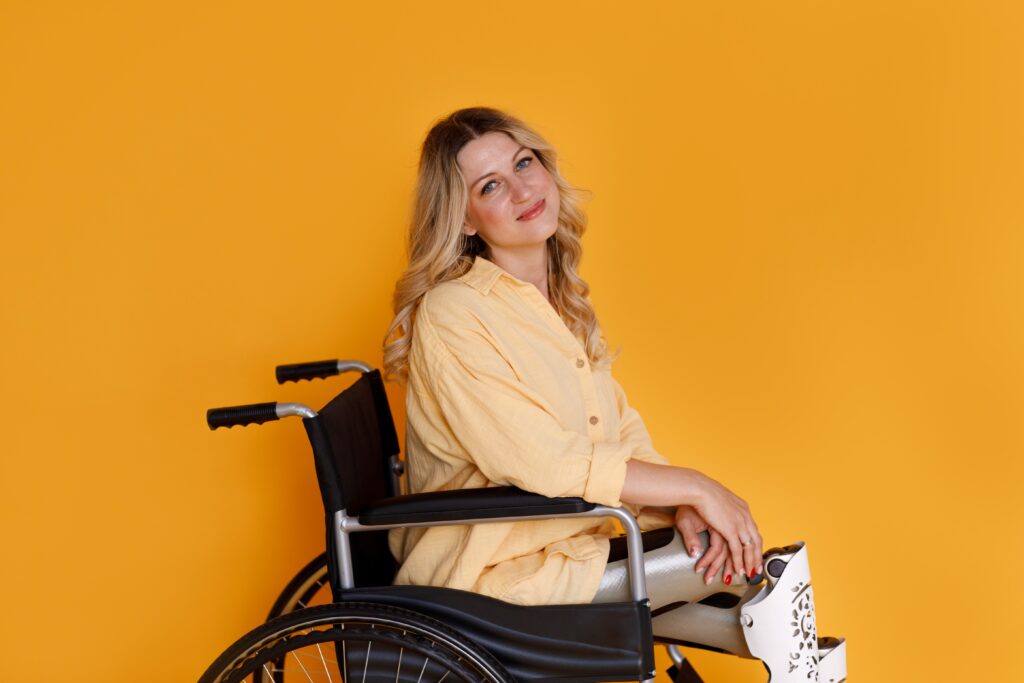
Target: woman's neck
pixel 528 266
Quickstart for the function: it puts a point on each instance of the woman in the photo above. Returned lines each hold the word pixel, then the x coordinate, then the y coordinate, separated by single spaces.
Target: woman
pixel 509 383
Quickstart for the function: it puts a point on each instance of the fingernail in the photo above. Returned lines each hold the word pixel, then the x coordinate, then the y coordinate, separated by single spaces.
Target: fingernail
pixel 708 578
pixel 698 569
pixel 694 551
pixel 728 579
pixel 753 573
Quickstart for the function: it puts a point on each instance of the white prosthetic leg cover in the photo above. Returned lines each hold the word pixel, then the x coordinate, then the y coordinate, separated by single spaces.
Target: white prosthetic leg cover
pixel 832 662
pixel 778 624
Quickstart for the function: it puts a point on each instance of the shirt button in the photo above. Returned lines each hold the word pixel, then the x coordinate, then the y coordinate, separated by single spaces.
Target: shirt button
pixel 580 363
pixel 593 419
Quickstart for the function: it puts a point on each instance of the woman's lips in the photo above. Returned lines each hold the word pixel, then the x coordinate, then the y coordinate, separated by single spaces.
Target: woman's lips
pixel 533 211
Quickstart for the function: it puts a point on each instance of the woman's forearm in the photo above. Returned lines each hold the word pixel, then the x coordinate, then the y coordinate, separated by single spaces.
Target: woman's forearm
pixel 723 511
pixel 665 485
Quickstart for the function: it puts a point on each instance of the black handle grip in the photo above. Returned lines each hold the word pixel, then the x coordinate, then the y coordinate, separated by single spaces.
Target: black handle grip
pixel 317 369
pixel 254 413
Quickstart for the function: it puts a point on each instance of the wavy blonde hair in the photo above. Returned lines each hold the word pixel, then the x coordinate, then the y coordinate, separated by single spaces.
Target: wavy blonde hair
pixel 439 251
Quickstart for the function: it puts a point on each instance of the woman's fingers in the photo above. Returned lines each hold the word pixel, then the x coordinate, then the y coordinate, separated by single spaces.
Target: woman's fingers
pixel 690 538
pixel 736 550
pixel 728 573
pixel 752 552
pixel 715 548
pixel 715 565
pixel 722 553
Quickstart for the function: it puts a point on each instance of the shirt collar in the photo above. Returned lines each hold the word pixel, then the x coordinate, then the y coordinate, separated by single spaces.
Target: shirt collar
pixel 483 274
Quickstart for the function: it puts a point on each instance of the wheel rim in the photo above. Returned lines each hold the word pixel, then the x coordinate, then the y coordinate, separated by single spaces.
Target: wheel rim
pixel 358 649
pixel 314 591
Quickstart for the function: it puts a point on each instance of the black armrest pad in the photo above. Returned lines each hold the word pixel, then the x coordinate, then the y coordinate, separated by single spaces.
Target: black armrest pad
pixel 487 503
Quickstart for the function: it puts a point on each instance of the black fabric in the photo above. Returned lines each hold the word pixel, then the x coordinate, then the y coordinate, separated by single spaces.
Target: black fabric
pixel 485 503
pixel 354 445
pixel 583 643
pixel 353 437
pixel 657 538
pixel 385 422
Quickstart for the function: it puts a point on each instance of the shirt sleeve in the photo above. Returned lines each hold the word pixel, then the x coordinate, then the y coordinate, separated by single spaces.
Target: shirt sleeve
pixel 632 429
pixel 505 427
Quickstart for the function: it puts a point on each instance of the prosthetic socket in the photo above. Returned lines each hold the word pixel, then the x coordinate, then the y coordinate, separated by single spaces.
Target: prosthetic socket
pixel 779 627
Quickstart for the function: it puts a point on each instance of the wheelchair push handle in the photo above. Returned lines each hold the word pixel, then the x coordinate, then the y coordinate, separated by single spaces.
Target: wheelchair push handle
pixel 318 369
pixel 254 413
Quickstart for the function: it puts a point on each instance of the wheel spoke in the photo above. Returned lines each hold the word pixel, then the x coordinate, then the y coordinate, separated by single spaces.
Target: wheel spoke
pixel 344 657
pixel 369 644
pixel 324 661
pixel 302 667
pixel 386 637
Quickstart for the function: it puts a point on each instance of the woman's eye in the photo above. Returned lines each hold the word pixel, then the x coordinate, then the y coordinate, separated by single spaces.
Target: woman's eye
pixel 483 190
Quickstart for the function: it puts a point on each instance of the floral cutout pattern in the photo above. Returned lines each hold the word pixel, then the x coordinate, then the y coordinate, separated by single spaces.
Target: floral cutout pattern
pixel 805 657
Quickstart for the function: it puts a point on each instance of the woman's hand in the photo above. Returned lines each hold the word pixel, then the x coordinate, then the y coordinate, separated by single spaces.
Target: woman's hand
pixel 729 515
pixel 726 514
pixel 690 524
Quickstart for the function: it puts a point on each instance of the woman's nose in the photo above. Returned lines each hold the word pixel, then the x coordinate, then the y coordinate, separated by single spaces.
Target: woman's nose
pixel 521 190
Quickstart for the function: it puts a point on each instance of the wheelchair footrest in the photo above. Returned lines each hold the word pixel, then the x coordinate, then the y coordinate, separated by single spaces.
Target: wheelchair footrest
pixel 684 673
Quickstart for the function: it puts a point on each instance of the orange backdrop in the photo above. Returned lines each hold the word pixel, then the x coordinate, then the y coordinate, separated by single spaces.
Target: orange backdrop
pixel 805 233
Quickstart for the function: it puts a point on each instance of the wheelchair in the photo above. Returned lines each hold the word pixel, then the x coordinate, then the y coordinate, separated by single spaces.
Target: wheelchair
pixel 375 632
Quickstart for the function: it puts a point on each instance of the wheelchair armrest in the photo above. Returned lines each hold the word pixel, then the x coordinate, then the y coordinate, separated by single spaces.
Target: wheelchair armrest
pixel 485 503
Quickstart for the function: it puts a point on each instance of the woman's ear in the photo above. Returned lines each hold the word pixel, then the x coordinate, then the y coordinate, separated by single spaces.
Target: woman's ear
pixel 468 229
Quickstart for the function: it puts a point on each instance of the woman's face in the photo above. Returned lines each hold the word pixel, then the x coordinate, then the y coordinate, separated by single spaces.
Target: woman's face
pixel 513 200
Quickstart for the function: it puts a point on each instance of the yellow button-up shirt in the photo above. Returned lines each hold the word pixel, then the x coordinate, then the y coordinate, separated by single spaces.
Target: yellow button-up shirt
pixel 502 393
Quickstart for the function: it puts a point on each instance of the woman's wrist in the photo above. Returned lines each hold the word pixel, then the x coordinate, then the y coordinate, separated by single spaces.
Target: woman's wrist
pixel 651 484
pixel 688 483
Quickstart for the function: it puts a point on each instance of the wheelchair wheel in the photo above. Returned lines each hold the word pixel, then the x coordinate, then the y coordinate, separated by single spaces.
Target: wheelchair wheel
pixel 370 643
pixel 309 587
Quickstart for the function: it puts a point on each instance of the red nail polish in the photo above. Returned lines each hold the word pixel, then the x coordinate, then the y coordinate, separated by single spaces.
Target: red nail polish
pixel 753 573
pixel 728 579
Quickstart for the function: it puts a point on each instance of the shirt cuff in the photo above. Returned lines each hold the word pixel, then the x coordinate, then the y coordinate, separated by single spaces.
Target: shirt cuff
pixel 607 474
pixel 651 457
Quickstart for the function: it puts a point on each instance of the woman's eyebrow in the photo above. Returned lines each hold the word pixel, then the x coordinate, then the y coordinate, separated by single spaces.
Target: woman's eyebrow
pixel 490 172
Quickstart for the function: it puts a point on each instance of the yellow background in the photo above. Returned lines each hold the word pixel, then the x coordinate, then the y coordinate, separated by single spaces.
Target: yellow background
pixel 805 234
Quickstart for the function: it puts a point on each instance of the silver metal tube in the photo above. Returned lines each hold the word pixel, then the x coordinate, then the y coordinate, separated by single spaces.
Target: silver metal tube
pixel 674 654
pixel 634 543
pixel 300 409
pixel 634 546
pixel 343 551
pixel 346 365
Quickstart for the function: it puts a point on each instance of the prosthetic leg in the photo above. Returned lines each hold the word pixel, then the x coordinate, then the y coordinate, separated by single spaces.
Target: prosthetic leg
pixel 779 625
pixel 771 619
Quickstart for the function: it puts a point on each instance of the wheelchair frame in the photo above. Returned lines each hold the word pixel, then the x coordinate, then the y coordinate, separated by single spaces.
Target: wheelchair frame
pixel 467 506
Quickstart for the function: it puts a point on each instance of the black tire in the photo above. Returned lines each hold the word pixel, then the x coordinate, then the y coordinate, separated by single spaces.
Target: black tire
pixel 377 643
pixel 303 588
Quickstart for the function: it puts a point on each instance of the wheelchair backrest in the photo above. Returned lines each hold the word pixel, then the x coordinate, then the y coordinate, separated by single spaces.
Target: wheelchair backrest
pixel 353 439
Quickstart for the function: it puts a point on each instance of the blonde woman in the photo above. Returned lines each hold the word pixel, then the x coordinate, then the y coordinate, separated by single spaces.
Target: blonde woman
pixel 508 382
